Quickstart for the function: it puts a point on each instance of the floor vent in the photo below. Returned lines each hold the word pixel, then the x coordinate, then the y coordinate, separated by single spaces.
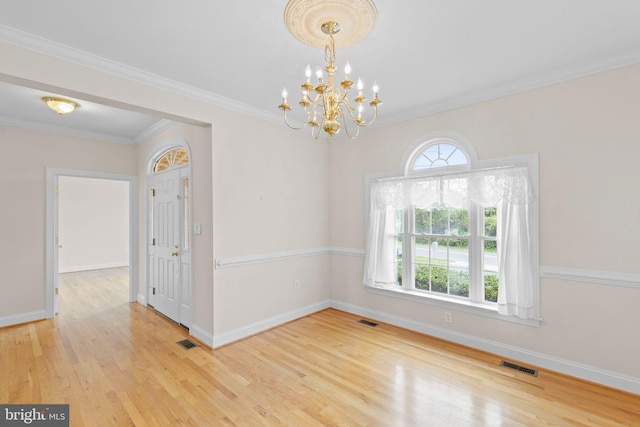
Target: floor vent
pixel 186 344
pixel 523 369
pixel 368 323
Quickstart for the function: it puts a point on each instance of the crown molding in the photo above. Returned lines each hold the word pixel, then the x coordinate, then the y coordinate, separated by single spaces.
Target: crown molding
pixel 67 53
pixel 153 130
pixel 617 60
pixel 63 130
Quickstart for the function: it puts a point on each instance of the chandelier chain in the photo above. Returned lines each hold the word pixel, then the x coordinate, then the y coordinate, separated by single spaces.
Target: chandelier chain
pixel 330 50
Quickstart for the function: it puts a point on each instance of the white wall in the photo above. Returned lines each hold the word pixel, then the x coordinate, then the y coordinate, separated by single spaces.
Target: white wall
pixel 586 133
pixel 22 198
pixel 93 221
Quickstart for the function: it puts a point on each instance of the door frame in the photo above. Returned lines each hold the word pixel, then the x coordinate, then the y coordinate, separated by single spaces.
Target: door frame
pixel 156 152
pixel 51 229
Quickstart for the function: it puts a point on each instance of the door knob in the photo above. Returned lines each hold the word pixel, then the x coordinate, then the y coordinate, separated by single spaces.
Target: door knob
pixel 174 253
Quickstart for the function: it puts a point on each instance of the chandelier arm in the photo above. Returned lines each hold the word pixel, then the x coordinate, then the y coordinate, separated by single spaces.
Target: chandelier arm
pixel 286 121
pixel 375 116
pixel 315 134
pixel 346 127
pixel 350 109
pixel 370 122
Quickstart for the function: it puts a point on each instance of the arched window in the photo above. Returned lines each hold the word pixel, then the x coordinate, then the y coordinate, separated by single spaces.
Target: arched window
pixel 171 159
pixel 439 154
pixel 438 232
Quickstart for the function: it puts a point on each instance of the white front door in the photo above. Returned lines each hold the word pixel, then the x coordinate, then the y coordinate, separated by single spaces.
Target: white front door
pixel 165 265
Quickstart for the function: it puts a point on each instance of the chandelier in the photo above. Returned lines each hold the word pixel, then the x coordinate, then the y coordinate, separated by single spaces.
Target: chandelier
pixel 327 105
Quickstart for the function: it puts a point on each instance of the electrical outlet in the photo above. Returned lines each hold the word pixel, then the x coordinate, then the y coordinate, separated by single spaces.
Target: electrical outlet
pixel 447 317
pixel 296 284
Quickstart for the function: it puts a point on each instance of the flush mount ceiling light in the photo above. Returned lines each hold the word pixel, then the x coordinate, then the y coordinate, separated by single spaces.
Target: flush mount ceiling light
pixel 60 105
pixel 326 105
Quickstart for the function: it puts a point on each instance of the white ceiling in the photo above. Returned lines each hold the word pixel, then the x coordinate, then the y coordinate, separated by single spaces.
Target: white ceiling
pixel 426 55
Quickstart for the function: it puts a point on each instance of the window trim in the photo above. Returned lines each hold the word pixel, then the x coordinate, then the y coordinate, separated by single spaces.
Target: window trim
pixel 531 161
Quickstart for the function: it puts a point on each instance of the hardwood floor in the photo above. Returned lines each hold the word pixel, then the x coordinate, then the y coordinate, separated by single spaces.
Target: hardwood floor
pixel 117 363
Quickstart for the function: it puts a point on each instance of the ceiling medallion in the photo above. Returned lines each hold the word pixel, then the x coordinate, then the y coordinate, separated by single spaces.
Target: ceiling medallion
pixel 304 19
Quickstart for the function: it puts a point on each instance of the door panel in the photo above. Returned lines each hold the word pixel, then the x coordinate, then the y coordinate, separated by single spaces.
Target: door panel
pixel 166 230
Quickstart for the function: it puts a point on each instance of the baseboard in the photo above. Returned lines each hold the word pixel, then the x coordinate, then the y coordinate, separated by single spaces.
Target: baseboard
pixel 74 269
pixel 141 299
pixel 22 318
pixel 567 367
pixel 256 328
pixel 201 335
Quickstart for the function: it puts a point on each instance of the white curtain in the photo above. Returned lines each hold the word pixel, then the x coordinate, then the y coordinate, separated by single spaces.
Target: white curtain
pixel 508 188
pixel 515 272
pixel 380 269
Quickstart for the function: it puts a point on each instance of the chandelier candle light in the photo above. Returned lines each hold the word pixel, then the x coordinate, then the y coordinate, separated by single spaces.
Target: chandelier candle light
pixel 326 105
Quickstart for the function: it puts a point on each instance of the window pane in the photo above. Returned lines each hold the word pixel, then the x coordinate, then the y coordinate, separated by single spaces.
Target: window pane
pixel 459 282
pixel 440 221
pixel 442 266
pixel 185 210
pixel 459 220
pixel 399 221
pixel 490 271
pixel 440 155
pixel 152 194
pixel 399 262
pixel 490 222
pixel 171 159
pixel 423 276
pixel 422 221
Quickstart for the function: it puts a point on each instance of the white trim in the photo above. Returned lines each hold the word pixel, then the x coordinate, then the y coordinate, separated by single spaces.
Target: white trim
pixel 336 250
pixel 155 129
pixel 586 372
pixel 141 299
pixel 51 267
pixel 256 328
pixel 269 257
pixel 612 278
pixel 285 255
pixel 73 269
pixel 451 304
pixel 64 130
pixel 201 335
pixel 16 319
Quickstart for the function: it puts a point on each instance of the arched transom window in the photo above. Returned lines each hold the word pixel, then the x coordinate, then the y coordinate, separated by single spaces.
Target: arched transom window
pixel 439 155
pixel 171 159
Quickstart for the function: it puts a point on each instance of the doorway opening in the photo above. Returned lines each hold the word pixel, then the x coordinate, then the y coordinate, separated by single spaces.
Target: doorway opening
pixel 93 242
pixel 76 242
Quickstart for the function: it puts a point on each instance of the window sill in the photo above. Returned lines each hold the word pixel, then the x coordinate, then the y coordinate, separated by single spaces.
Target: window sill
pixel 451 304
